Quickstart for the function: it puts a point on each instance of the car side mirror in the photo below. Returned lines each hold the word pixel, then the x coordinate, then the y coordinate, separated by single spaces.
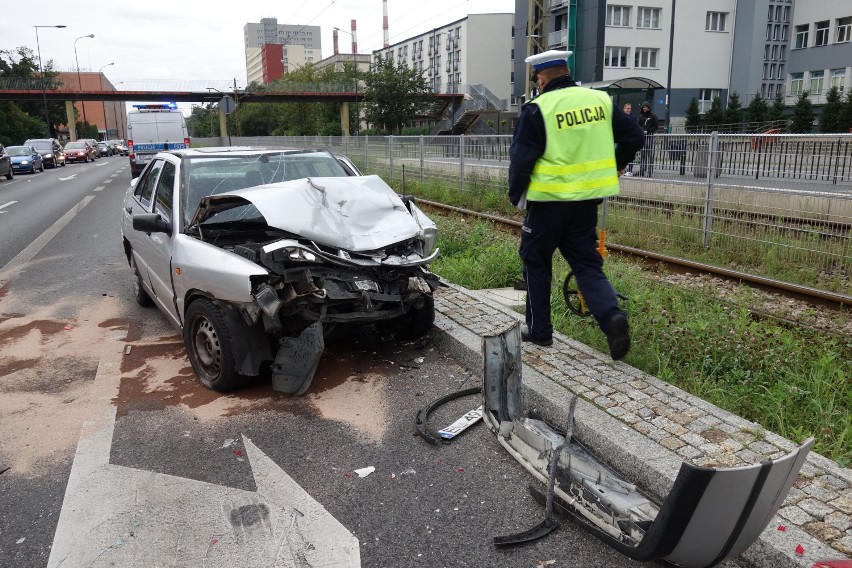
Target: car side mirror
pixel 151 223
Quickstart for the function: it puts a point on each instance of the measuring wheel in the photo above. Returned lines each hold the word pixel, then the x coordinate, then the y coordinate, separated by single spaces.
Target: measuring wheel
pixel 573 296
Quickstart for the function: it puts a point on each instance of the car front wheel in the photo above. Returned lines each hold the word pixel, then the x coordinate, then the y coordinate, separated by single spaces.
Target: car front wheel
pixel 208 342
pixel 10 174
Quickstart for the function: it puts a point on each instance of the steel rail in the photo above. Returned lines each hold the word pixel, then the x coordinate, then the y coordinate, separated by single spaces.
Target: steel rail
pixel 802 292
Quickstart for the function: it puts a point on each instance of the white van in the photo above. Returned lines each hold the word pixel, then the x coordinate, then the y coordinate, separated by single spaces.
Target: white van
pixel 154 128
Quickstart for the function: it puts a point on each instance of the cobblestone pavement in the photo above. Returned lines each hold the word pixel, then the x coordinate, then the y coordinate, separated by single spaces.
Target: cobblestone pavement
pixel 817 514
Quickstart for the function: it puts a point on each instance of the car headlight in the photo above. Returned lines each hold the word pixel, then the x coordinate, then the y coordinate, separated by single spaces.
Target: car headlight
pixel 430 240
pixel 24 162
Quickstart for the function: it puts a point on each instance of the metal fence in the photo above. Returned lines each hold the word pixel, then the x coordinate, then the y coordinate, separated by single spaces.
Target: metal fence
pixel 776 206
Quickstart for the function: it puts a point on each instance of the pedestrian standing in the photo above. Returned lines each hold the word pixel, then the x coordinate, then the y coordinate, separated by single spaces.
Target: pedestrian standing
pixel 650 124
pixel 628 110
pixel 562 163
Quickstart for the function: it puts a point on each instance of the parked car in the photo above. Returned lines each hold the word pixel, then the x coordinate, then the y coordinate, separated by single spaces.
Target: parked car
pixel 50 150
pixel 79 151
pixel 6 164
pixel 104 149
pixel 25 159
pixel 258 255
pixel 121 147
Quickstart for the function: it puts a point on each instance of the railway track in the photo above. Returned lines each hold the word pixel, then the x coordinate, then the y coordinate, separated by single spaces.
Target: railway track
pixel 678 265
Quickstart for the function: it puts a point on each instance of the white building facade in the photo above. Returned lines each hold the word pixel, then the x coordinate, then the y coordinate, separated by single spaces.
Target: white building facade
pixel 476 50
pixel 299 45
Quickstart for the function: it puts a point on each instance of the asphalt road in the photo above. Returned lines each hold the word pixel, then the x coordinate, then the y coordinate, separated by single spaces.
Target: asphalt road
pixel 66 309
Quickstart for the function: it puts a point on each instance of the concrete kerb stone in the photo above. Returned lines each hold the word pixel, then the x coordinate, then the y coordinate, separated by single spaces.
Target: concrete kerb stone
pixel 639 459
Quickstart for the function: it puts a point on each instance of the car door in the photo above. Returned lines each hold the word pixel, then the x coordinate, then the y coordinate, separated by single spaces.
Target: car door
pixel 141 200
pixel 162 244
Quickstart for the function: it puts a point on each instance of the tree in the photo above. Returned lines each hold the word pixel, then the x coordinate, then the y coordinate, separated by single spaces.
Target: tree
pixel 29 115
pixel 693 116
pixel 776 111
pixel 733 114
pixel 715 116
pixel 846 114
pixel 394 95
pixel 830 117
pixel 803 114
pixel 757 110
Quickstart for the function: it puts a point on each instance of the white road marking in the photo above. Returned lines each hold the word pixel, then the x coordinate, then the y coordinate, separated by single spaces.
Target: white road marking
pixel 72 176
pixel 108 180
pixel 13 267
pixel 5 205
pixel 99 188
pixel 120 516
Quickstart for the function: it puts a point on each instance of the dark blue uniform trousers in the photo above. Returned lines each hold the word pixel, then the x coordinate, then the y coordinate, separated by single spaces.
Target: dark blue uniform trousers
pixel 571 227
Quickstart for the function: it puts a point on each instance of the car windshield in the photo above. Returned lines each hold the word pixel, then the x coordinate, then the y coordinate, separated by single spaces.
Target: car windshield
pixel 42 145
pixel 75 146
pixel 212 175
pixel 18 151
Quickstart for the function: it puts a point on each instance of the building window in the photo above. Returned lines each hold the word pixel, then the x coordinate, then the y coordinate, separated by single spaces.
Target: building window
pixel 783 53
pixel 784 33
pixel 797 82
pixel 776 31
pixel 648 18
pixel 786 14
pixel 838 78
pixel 844 29
pixel 618 16
pixel 802 36
pixel 705 99
pixel 772 71
pixel 766 53
pixel 780 73
pixel 770 92
pixel 716 21
pixel 765 70
pixel 616 56
pixel 821 34
pixel 768 32
pixel 646 57
pixel 774 52
pixel 816 82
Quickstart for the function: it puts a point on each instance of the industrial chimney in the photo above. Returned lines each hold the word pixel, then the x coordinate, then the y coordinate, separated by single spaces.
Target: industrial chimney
pixel 354 37
pixel 385 22
pixel 334 40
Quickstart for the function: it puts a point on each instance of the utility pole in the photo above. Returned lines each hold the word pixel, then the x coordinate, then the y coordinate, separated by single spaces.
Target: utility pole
pixel 41 74
pixel 536 36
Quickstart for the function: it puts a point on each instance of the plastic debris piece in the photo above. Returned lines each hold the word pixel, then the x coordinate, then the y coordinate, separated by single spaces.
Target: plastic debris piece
pixel 546 562
pixel 238 452
pixel 127 349
pixel 782 528
pixel 20 540
pixel 392 476
pixel 419 360
pixel 365 471
pixel 347 474
pixel 460 470
pixel 460 425
pixel 800 550
pixel 68 327
pixel 227 443
pixel 408 472
pixel 214 540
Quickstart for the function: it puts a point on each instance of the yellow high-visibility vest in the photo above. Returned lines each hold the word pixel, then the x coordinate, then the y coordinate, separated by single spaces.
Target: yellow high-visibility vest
pixel 579 158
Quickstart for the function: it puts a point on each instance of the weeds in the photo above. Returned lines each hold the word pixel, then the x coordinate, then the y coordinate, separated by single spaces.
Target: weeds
pixel 790 380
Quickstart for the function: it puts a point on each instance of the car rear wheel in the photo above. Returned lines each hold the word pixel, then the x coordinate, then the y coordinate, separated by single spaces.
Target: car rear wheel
pixel 10 174
pixel 139 293
pixel 208 342
pixel 414 324
pixel 41 169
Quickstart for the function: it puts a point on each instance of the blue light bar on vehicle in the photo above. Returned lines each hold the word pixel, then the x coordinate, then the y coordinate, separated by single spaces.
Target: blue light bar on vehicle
pixel 157 106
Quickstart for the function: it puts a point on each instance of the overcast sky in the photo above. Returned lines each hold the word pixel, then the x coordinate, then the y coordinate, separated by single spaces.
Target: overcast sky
pixel 201 42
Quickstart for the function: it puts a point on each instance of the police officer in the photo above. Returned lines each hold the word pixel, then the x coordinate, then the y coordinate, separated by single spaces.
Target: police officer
pixel 563 162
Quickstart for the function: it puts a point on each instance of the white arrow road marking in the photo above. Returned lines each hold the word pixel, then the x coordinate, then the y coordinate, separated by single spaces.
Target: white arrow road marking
pixel 72 176
pixel 5 205
pixel 101 164
pixel 119 516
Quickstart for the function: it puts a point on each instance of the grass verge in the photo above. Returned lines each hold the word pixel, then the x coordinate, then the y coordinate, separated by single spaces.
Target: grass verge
pixel 790 380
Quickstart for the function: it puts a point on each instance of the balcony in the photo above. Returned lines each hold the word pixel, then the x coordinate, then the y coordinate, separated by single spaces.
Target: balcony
pixel 557 39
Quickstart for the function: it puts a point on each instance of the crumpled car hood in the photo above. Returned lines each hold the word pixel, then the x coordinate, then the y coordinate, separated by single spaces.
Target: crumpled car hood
pixel 359 213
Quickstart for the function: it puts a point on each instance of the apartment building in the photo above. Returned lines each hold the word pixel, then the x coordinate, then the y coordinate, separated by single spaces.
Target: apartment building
pixel 272 49
pixel 109 117
pixel 476 50
pixel 820 49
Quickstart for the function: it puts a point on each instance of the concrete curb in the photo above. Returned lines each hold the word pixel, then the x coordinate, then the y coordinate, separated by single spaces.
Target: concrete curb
pixel 639 458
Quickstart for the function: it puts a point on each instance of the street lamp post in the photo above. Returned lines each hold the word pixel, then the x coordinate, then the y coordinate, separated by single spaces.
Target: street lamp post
pixel 103 103
pixel 355 63
pixel 79 80
pixel 41 74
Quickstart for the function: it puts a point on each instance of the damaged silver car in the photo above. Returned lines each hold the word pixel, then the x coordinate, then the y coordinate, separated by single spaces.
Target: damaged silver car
pixel 258 255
